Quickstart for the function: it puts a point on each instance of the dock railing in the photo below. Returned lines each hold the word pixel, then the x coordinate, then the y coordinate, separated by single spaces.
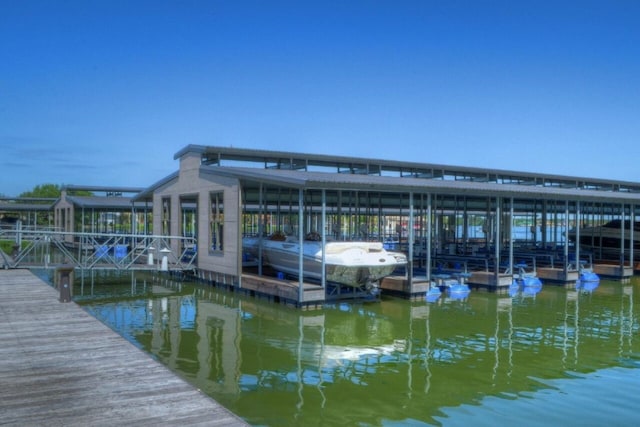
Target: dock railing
pixel 461 262
pixel 47 248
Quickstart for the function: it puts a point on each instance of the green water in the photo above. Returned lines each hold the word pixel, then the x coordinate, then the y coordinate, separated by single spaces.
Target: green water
pixel 560 357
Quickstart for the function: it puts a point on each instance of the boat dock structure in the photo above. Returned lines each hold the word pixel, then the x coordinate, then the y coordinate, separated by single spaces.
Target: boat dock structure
pixel 61 366
pixel 443 224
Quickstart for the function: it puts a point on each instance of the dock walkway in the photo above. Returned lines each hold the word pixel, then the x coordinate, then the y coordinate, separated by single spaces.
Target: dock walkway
pixel 61 366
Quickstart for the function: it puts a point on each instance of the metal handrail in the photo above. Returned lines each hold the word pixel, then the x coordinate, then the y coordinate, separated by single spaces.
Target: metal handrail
pixel 106 250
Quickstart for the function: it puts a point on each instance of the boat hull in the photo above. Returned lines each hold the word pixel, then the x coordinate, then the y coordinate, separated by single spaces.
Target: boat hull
pixel 608 236
pixel 347 263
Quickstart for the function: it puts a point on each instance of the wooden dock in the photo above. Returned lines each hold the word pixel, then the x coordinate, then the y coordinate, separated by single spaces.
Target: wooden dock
pixel 557 275
pixel 613 271
pixel 284 291
pixel 401 286
pixel 61 366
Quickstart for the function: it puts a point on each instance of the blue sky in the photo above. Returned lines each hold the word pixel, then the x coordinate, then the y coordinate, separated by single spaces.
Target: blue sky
pixel 106 92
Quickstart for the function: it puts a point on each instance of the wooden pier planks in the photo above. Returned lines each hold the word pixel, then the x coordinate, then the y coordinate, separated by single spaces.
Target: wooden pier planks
pixel 61 366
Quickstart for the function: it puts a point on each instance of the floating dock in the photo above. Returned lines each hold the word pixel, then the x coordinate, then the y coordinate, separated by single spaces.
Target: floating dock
pixel 613 271
pixel 61 366
pixel 284 291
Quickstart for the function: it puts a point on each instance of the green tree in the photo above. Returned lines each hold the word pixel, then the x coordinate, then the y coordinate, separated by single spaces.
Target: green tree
pixel 43 190
pixel 52 191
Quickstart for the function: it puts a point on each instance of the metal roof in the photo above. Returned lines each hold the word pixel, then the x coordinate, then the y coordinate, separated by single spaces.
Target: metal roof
pixel 104 189
pixel 279 160
pixel 319 180
pixel 25 207
pixel 98 202
pixel 147 193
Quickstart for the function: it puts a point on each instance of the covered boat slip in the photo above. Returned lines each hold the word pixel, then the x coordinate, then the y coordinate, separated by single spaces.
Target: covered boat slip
pixel 478 225
pixel 450 245
pixel 29 212
pixel 91 227
pixel 105 210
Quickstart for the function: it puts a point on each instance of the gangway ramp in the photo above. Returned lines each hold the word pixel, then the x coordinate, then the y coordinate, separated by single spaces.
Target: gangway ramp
pixel 49 248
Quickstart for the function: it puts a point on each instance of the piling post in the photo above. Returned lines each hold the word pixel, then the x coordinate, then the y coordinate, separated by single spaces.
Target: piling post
pixel 64 281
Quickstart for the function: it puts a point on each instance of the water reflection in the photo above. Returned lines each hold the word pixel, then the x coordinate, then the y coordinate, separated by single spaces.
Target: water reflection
pixel 372 364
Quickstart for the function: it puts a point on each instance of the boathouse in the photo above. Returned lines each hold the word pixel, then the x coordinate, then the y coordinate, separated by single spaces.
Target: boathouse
pixel 482 222
pixel 97 209
pixel 32 212
pixel 90 227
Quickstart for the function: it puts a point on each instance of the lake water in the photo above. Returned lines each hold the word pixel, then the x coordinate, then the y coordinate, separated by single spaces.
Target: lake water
pixel 558 357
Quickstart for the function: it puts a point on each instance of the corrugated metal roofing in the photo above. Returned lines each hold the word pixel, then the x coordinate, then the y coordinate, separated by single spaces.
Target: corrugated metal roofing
pixel 101 188
pixel 318 180
pixel 291 160
pixel 97 202
pixel 25 207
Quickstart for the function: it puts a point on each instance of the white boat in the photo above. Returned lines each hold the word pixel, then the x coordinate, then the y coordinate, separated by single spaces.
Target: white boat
pixel 351 263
